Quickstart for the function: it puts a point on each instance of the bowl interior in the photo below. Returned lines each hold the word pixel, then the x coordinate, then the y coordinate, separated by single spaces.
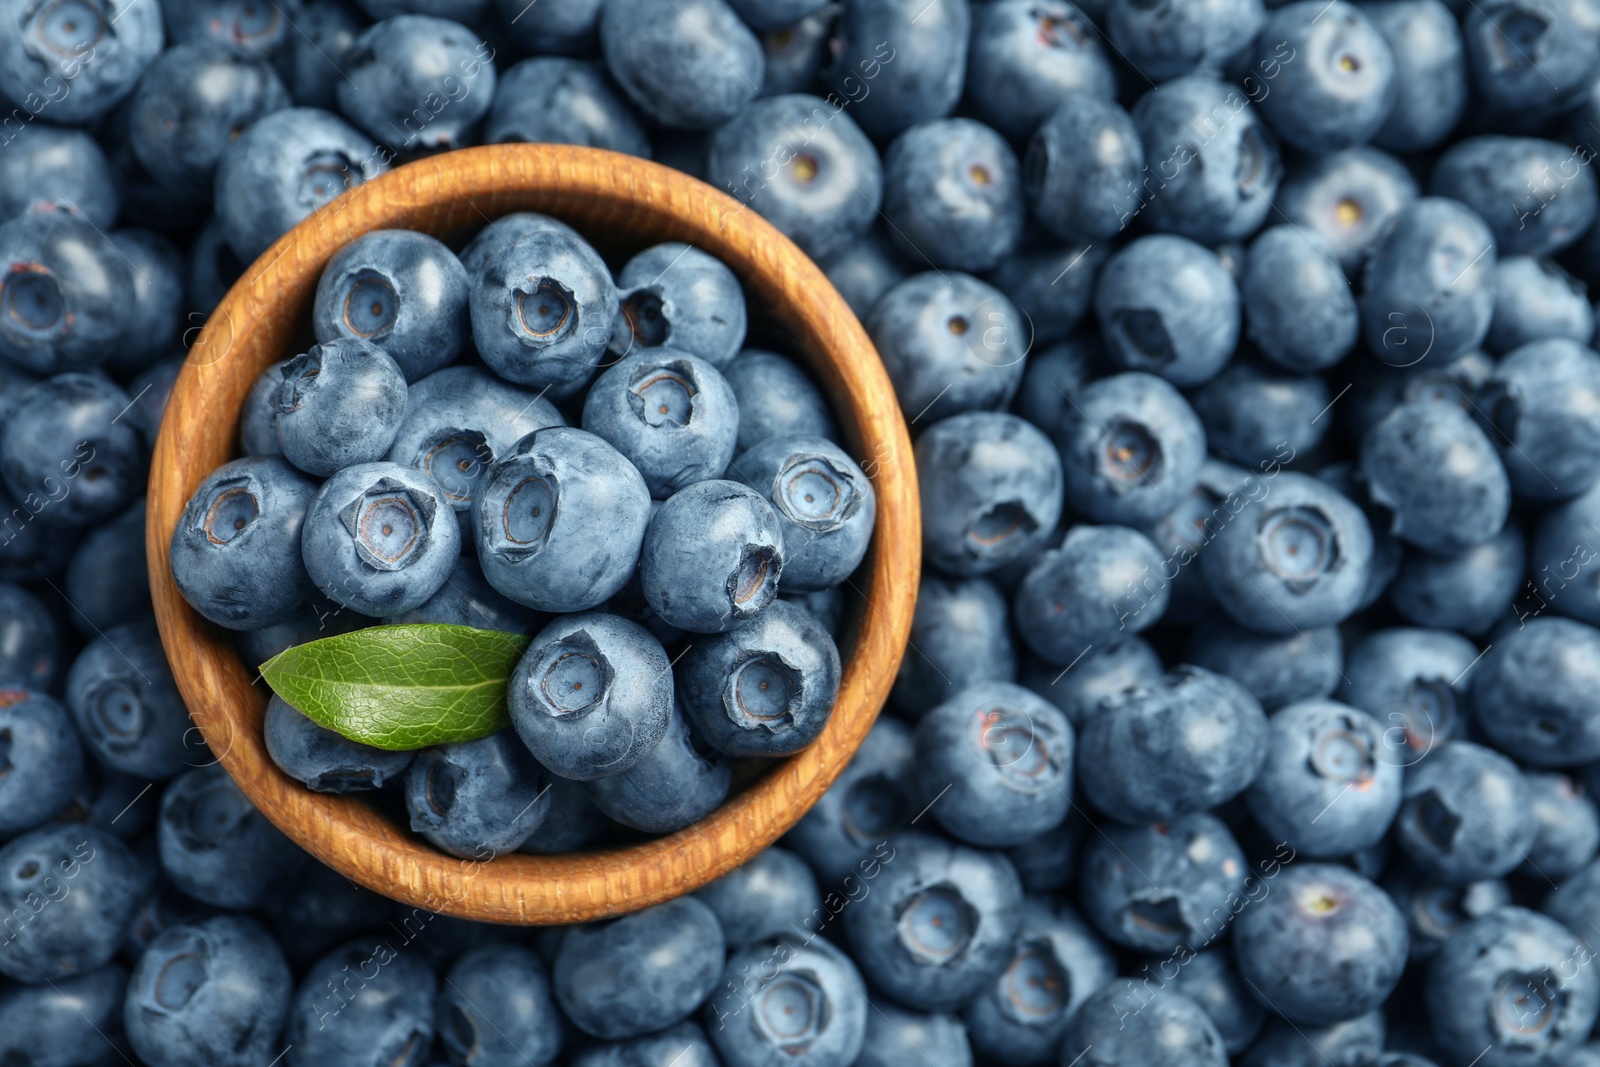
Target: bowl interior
pixel 622 204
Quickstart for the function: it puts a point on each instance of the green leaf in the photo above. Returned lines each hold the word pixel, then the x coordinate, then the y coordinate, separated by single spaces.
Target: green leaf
pixel 401 687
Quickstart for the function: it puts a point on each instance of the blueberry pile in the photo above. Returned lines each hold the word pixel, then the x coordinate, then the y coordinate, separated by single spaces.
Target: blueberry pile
pixel 1251 709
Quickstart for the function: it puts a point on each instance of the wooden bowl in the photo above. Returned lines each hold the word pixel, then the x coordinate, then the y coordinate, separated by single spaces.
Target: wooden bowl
pixel 622 204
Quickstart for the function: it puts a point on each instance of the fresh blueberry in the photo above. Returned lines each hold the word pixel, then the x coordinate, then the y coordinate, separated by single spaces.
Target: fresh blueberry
pixel 31 551
pixel 478 798
pixel 1530 58
pixel 156 269
pixel 503 232
pixel 1101 674
pixel 959 635
pixel 194 100
pixel 380 538
pixel 1219 189
pixel 126 705
pixel 1467 815
pixel 1212 981
pixel 1437 474
pixel 340 1017
pixel 66 293
pixel 1125 1021
pixel 1536 693
pixel 30 651
pixel 951 344
pixel 322 618
pixel 1435 910
pixel 1342 88
pixel 106 583
pixel 69 1021
pixel 1083 168
pixel 895 1036
pixel 559 520
pixel 1095 589
pixel 495 1009
pixel 282 168
pixel 1507 982
pixel 791 1001
pixel 711 557
pixel 1415 683
pixel 1536 404
pixel 776 398
pixel 1569 827
pixel 1287 1044
pixel 1254 413
pixel 309 59
pixel 592 695
pixel 940 924
pixel 467 599
pixel 873 797
pixel 679 296
pixel 1277 669
pixel 242 24
pixel 689 65
pixel 565 29
pixel 41 761
pixel 671 414
pixel 795 53
pixel 57 167
pixel 1025 59
pixel 340 404
pixel 1163 888
pixel 804 164
pixel 542 311
pixel 771 895
pixel 217 847
pixel 1185 742
pixel 1521 188
pixel 417 82
pixel 1167 306
pixel 1468 591
pixel 1049 863
pixel 824 502
pixel 899 62
pixel 67 454
pixel 864 270
pixel 572 824
pixel 639 973
pixel 1429 284
pixel 1164 40
pixel 1535 299
pixel 1347 198
pixel 210 993
pixel 680 781
pixel 323 760
pixel 1562 564
pixel 680 1045
pixel 69 893
pixel 1052 285
pixel 79 58
pixel 1298 307
pixel 1430 72
pixel 952 194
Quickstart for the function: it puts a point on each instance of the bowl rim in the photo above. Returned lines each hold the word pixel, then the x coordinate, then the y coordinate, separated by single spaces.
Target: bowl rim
pixel 448 194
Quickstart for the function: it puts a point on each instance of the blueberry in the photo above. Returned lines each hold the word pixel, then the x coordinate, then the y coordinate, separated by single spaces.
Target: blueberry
pixel 711 557
pixel 542 311
pixel 940 924
pixel 31 551
pixel 773 894
pixel 1183 743
pixel 1093 590
pixel 1278 670
pixel 504 231
pixel 565 30
pixel 242 24
pixel 1287 1044
pixel 417 82
pixel 824 502
pixel 1467 815
pixel 874 795
pixel 322 759
pixel 1223 187
pixel 1165 887
pixel 1184 531
pixel 1535 299
pixel 592 695
pixel 1521 189
pixel 1569 827
pixel 216 846
pixel 899 62
pixel 341 1017
pixel 894 1036
pixel 679 781
pixel 30 650
pixel 66 292
pixel 1212 981
pixel 1415 683
pixel 776 398
pixel 41 761
pixel 559 520
pixel 680 1045
pixel 864 270
pixel 950 343
pixel 58 167
pixel 1165 40
pixel 1098 676
pixel 1297 555
pixel 1082 169
pixel 959 635
pixel 380 538
pixel 1430 73
pixel 1048 863
pixel 467 599
pixel 69 893
pixel 1058 963
pixel 1299 310
pixel 952 194
pixel 804 164
pixel 67 454
pixel 1435 910
pixel 45 1025
pixel 1467 591
pixel 690 65
pixel 1561 563
pixel 1535 404
pixel 496 1010
pixel 213 992
pixel 1342 89
pixel 1429 284
pixel 788 1000
pixel 80 53
pixel 1530 58
pixel 572 824
pixel 321 909
pixel 125 704
pixel 282 168
pixel 1507 981
pixel 1347 198
pixel 679 296
pixel 991 488
pixel 1254 414
pixel 156 270
pixel 1024 59
pixel 765 688
pixel 340 404
pixel 309 59
pixel 1167 306
pixel 794 53
pixel 1534 694
pixel 671 414
pixel 1051 285
pixel 1437 473
pixel 639 973
pixel 1126 1022
pixel 194 100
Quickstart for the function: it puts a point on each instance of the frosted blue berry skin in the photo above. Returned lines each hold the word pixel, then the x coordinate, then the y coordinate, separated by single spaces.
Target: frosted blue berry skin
pixel 1277 670
pixel 895 1034
pixel 35 1017
pixel 874 795
pixel 97 51
pixel 776 398
pixel 42 756
pixel 388 1020
pixel 1534 407
pixel 693 66
pixel 126 705
pixel 551 99
pixel 324 760
pixel 1467 814
pixel 559 519
pixel 1025 59
pixel 712 557
pixel 1102 585
pixel 1167 306
pixel 1439 476
pixel 680 1045
pixel 1126 1022
pixel 765 688
pixel 217 847
pixel 401 62
pixel 68 455
pixel 340 403
pixel 496 1006
pixel 1082 170
pixel 952 194
pixel 678 295
pixel 680 781
pixel 1536 692
pixel 772 893
pixel 30 648
pixel 380 538
pixel 592 695
pixel 504 231
pixel 960 633
pixel 95 885
pixel 235 554
pixel 671 414
pixel 1341 90
pixel 791 999
pixel 477 798
pixel 825 505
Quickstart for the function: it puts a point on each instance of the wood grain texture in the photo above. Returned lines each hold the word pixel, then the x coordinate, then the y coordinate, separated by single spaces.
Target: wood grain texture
pixel 622 204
